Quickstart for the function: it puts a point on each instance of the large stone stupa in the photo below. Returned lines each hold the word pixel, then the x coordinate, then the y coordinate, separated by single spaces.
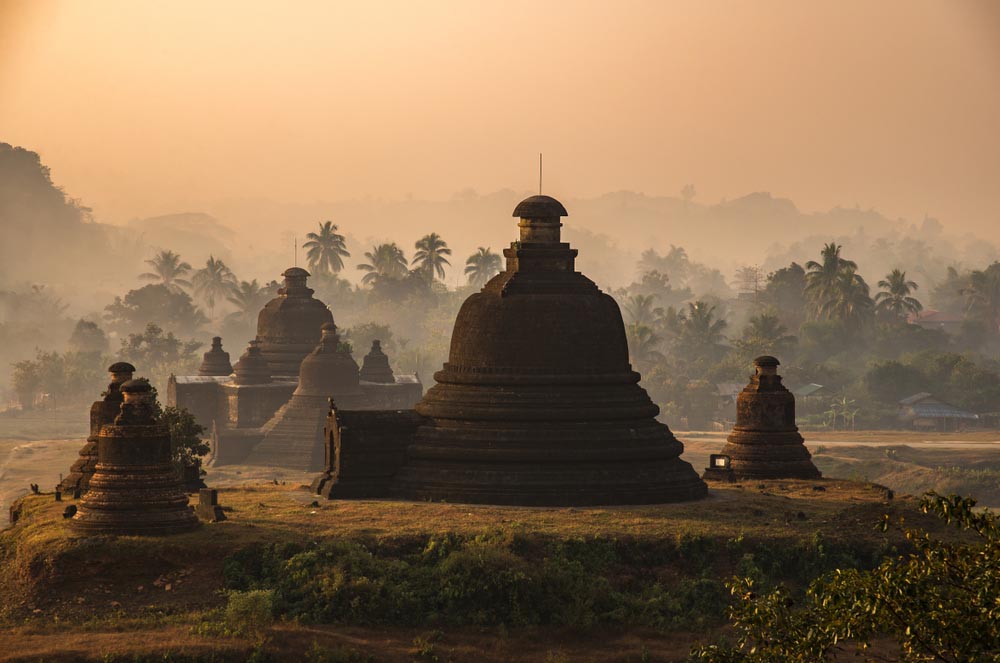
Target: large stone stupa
pixel 538 404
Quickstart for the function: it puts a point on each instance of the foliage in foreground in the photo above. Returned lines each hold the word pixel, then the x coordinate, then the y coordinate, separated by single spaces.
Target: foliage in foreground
pixel 940 602
pixel 503 577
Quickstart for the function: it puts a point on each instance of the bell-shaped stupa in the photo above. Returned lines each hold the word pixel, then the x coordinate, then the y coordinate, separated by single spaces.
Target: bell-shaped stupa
pixel 102 412
pixel 288 327
pixel 293 438
pixel 538 404
pixel 134 489
pixel 375 367
pixel 252 368
pixel 216 360
pixel 765 442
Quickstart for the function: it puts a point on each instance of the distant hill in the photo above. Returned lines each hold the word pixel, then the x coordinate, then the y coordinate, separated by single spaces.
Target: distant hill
pixel 194 235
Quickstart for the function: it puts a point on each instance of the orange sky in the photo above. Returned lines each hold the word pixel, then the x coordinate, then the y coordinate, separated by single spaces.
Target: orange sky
pixel 143 108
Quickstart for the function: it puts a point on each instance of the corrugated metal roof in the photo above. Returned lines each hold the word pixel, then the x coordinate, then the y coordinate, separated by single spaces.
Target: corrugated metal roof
pixel 940 411
pixel 203 379
pixel 806 390
pixel 915 398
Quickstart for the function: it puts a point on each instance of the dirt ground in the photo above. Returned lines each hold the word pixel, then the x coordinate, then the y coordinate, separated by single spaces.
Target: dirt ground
pixel 839 454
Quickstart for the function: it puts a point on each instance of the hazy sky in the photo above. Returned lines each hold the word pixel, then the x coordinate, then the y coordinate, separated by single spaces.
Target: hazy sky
pixel 143 108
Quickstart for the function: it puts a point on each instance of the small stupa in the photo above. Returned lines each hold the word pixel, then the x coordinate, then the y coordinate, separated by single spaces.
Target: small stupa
pixel 216 360
pixel 375 367
pixel 765 442
pixel 538 404
pixel 288 327
pixel 134 489
pixel 102 412
pixel 294 437
pixel 252 368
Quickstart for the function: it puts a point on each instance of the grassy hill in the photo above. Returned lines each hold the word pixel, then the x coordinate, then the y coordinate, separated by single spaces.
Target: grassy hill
pixel 282 579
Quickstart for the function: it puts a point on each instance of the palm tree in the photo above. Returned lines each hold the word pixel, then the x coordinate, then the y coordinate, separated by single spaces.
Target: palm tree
pixel 481 266
pixel 384 261
pixel 168 269
pixel 848 301
pixel 640 309
pixel 212 282
pixel 824 278
pixel 697 333
pixel 327 249
pixel 894 300
pixel 248 298
pixel 765 335
pixel 642 344
pixel 430 255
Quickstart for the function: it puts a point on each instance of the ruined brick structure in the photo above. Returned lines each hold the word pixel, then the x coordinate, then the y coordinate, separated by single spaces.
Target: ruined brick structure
pixel 134 489
pixel 265 410
pixel 364 450
pixel 102 412
pixel 537 404
pixel 765 442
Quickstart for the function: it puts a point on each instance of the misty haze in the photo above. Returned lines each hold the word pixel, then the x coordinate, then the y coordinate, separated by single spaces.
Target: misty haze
pixel 352 319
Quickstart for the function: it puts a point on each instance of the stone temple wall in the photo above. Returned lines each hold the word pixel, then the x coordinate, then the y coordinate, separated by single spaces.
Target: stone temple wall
pixel 364 449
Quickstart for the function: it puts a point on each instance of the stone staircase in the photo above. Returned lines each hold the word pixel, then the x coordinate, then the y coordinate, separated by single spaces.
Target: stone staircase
pixel 293 438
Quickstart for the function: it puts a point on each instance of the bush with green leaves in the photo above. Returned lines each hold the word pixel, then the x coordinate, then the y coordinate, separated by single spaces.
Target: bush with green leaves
pixel 503 577
pixel 940 602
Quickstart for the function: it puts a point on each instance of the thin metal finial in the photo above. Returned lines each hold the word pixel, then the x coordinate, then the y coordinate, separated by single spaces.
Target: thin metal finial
pixel 295 250
pixel 539 173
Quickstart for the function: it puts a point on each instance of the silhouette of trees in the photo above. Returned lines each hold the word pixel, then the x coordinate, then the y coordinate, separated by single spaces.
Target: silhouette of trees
pixel 784 294
pixel 88 337
pixel 697 336
pixel 836 291
pixel 26 379
pixel 894 301
pixel 154 303
pixel 688 192
pixel 248 297
pixel 642 344
pixel 213 282
pixel 983 295
pixel 823 279
pixel 481 266
pixel 326 249
pixel 385 261
pixel 641 310
pixel 429 258
pixel 168 269
pixel 764 335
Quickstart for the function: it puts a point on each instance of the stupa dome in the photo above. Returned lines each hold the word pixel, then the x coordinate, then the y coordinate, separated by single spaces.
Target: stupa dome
pixel 328 370
pixel 252 368
pixel 539 206
pixel 538 403
pixel 288 327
